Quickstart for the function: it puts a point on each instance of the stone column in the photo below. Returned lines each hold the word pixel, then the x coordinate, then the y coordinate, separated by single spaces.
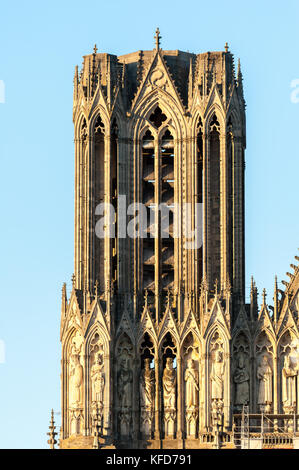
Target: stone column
pixel 135 400
pixel 86 398
pixel 108 395
pixel 64 398
pixel 107 240
pixel 180 408
pixel 79 197
pixel 157 239
pixel 275 385
pixel 223 210
pixel 89 216
pixel 226 391
pixel 158 403
pixel 238 215
pixel 206 207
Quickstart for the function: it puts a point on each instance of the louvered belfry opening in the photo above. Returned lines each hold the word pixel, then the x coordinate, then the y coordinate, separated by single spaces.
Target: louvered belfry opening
pixel 148 199
pixel 158 186
pixel 166 154
pixel 199 156
pixel 114 198
pixel 99 196
pixel 214 202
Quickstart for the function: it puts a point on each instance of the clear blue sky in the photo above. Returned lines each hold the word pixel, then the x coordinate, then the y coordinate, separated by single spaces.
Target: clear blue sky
pixel 41 42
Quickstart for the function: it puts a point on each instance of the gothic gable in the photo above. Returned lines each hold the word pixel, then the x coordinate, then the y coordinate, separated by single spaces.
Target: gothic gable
pixel 287 321
pixel 157 79
pixel 96 316
pixel 126 326
pixel 146 324
pixel 264 320
pixel 190 324
pixel 73 317
pixel 216 316
pixel 168 323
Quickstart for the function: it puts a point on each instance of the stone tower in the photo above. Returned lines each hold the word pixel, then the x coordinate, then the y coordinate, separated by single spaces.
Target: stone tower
pixel 156 333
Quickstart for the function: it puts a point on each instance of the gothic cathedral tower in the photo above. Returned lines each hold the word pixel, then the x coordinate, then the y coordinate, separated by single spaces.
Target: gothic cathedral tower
pixel 146 333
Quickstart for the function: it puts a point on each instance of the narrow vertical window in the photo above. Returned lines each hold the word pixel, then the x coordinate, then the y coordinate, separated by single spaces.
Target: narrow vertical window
pixel 148 199
pixel 199 157
pixel 214 199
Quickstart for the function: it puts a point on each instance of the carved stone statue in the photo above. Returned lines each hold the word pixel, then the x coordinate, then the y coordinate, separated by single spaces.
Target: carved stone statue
pixel 124 384
pixel 76 380
pixel 264 375
pixel 147 398
pixel 289 379
pixel 169 384
pixel 192 389
pixel 97 380
pixel 241 379
pixel 217 372
pixel 147 385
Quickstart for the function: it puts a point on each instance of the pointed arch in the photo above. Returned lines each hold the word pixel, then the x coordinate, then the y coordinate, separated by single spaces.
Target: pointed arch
pixel 196 336
pixel 97 328
pixel 79 123
pixel 68 339
pixel 120 119
pixel 217 327
pixel 268 334
pixel 216 110
pixel 168 106
pixel 150 334
pixel 167 335
pixel 236 338
pixel 195 120
pixel 99 111
pixel 234 116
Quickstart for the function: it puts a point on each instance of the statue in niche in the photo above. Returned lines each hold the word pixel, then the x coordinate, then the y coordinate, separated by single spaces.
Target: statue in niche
pixel 147 385
pixel 147 396
pixel 76 379
pixel 289 379
pixel 169 384
pixel 217 373
pixel 241 379
pixel 264 375
pixel 97 380
pixel 124 384
pixel 192 388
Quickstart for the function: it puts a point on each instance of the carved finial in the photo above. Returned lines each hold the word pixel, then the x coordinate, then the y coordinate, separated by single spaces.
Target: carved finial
pixel 216 287
pixel 52 434
pixel 63 299
pixel 73 280
pixel 145 297
pixel 264 296
pixel 226 47
pixel 276 301
pixel 252 284
pixel 76 77
pixel 157 39
pixel 63 291
pixel 168 297
pixel 228 286
pixel 95 49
